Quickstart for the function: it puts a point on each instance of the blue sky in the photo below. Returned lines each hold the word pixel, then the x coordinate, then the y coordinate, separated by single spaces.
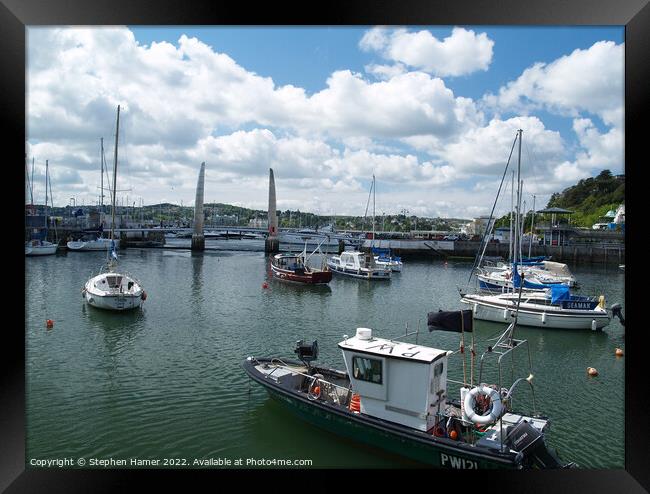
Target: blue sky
pixel 431 111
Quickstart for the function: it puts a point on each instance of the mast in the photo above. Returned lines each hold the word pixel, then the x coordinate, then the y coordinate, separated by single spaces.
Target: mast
pixel 512 208
pixel 32 188
pixel 532 224
pixel 30 183
pixel 49 181
pixel 518 233
pixel 101 188
pixel 46 175
pixel 373 208
pixel 117 133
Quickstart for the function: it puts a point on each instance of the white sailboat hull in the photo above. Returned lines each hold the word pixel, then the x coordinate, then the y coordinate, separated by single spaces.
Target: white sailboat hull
pixel 114 291
pixel 93 245
pixel 40 250
pixel 548 317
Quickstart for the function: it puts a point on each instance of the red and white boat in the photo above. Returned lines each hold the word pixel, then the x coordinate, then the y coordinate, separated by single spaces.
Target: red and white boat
pixel 292 267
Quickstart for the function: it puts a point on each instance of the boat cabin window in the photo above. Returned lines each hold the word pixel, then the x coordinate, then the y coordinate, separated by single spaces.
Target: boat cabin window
pixel 367 369
pixel 437 372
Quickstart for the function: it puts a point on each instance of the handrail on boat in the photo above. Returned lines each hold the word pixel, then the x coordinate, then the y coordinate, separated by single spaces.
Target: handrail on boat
pixel 286 366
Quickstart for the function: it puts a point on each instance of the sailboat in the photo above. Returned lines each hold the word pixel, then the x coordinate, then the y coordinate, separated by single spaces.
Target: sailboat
pixel 359 264
pixel 37 245
pixel 543 305
pixel 95 241
pixel 111 289
pixel 383 257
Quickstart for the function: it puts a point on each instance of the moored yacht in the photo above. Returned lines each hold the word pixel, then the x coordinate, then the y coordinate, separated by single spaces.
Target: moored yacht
pixel 553 308
pixel 93 243
pixel 358 265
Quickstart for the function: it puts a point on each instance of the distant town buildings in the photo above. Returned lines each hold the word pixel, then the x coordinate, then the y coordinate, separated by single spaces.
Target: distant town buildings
pixel 258 223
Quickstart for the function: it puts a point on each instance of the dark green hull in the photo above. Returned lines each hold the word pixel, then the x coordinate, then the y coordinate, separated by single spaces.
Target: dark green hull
pixel 420 449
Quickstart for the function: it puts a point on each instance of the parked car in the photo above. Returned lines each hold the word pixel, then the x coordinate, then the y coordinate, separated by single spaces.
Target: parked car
pixel 451 237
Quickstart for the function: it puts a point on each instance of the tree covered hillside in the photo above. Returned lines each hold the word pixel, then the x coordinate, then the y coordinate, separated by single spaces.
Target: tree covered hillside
pixel 591 198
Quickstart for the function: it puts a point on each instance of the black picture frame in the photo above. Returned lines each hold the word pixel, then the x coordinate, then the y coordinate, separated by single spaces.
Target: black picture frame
pixel 15 15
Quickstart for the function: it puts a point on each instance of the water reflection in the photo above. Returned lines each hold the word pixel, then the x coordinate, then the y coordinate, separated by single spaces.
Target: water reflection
pixel 197 280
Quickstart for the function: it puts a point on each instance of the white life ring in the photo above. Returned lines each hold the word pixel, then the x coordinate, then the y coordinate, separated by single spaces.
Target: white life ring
pixel 470 401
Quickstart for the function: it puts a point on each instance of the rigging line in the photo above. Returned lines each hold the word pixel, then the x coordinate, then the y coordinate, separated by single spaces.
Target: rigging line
pixel 529 152
pixel 490 224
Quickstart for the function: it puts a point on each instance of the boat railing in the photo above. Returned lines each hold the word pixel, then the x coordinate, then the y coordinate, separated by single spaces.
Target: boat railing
pixel 314 378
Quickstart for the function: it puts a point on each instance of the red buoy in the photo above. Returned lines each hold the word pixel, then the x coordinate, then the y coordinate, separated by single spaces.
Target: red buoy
pixel 265 285
pixel 453 435
pixel 49 324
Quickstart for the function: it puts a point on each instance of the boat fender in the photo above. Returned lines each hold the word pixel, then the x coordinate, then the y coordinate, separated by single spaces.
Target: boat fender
pixel 593 325
pixel 470 402
pixel 505 313
pixel 544 318
pixel 143 296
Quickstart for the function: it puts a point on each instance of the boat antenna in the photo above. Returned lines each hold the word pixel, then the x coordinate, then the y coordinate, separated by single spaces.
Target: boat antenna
pixel 478 260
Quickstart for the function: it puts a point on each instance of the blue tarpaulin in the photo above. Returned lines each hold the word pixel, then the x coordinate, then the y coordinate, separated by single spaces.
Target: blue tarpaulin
pixel 560 293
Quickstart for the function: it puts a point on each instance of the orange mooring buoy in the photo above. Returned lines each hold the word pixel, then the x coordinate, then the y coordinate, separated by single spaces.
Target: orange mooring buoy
pixel 49 324
pixel 592 371
pixel 619 352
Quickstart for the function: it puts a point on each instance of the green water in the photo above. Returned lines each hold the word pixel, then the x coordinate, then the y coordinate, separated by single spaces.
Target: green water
pixel 166 382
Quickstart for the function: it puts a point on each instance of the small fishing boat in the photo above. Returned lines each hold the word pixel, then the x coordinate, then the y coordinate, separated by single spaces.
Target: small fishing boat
pixel 358 265
pixel 292 267
pixel 396 396
pixel 383 258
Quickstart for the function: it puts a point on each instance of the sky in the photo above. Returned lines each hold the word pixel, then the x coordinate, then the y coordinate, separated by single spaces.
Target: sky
pixel 432 112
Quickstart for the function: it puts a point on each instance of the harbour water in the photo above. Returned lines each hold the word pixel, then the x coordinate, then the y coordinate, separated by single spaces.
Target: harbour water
pixel 166 382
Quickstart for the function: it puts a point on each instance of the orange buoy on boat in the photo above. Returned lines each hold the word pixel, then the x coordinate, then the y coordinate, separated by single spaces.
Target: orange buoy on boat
pixel 49 324
pixel 619 352
pixel 453 435
pixel 592 371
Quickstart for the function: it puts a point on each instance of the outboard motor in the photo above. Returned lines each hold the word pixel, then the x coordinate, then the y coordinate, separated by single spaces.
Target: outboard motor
pixel 306 353
pixel 530 442
pixel 616 312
